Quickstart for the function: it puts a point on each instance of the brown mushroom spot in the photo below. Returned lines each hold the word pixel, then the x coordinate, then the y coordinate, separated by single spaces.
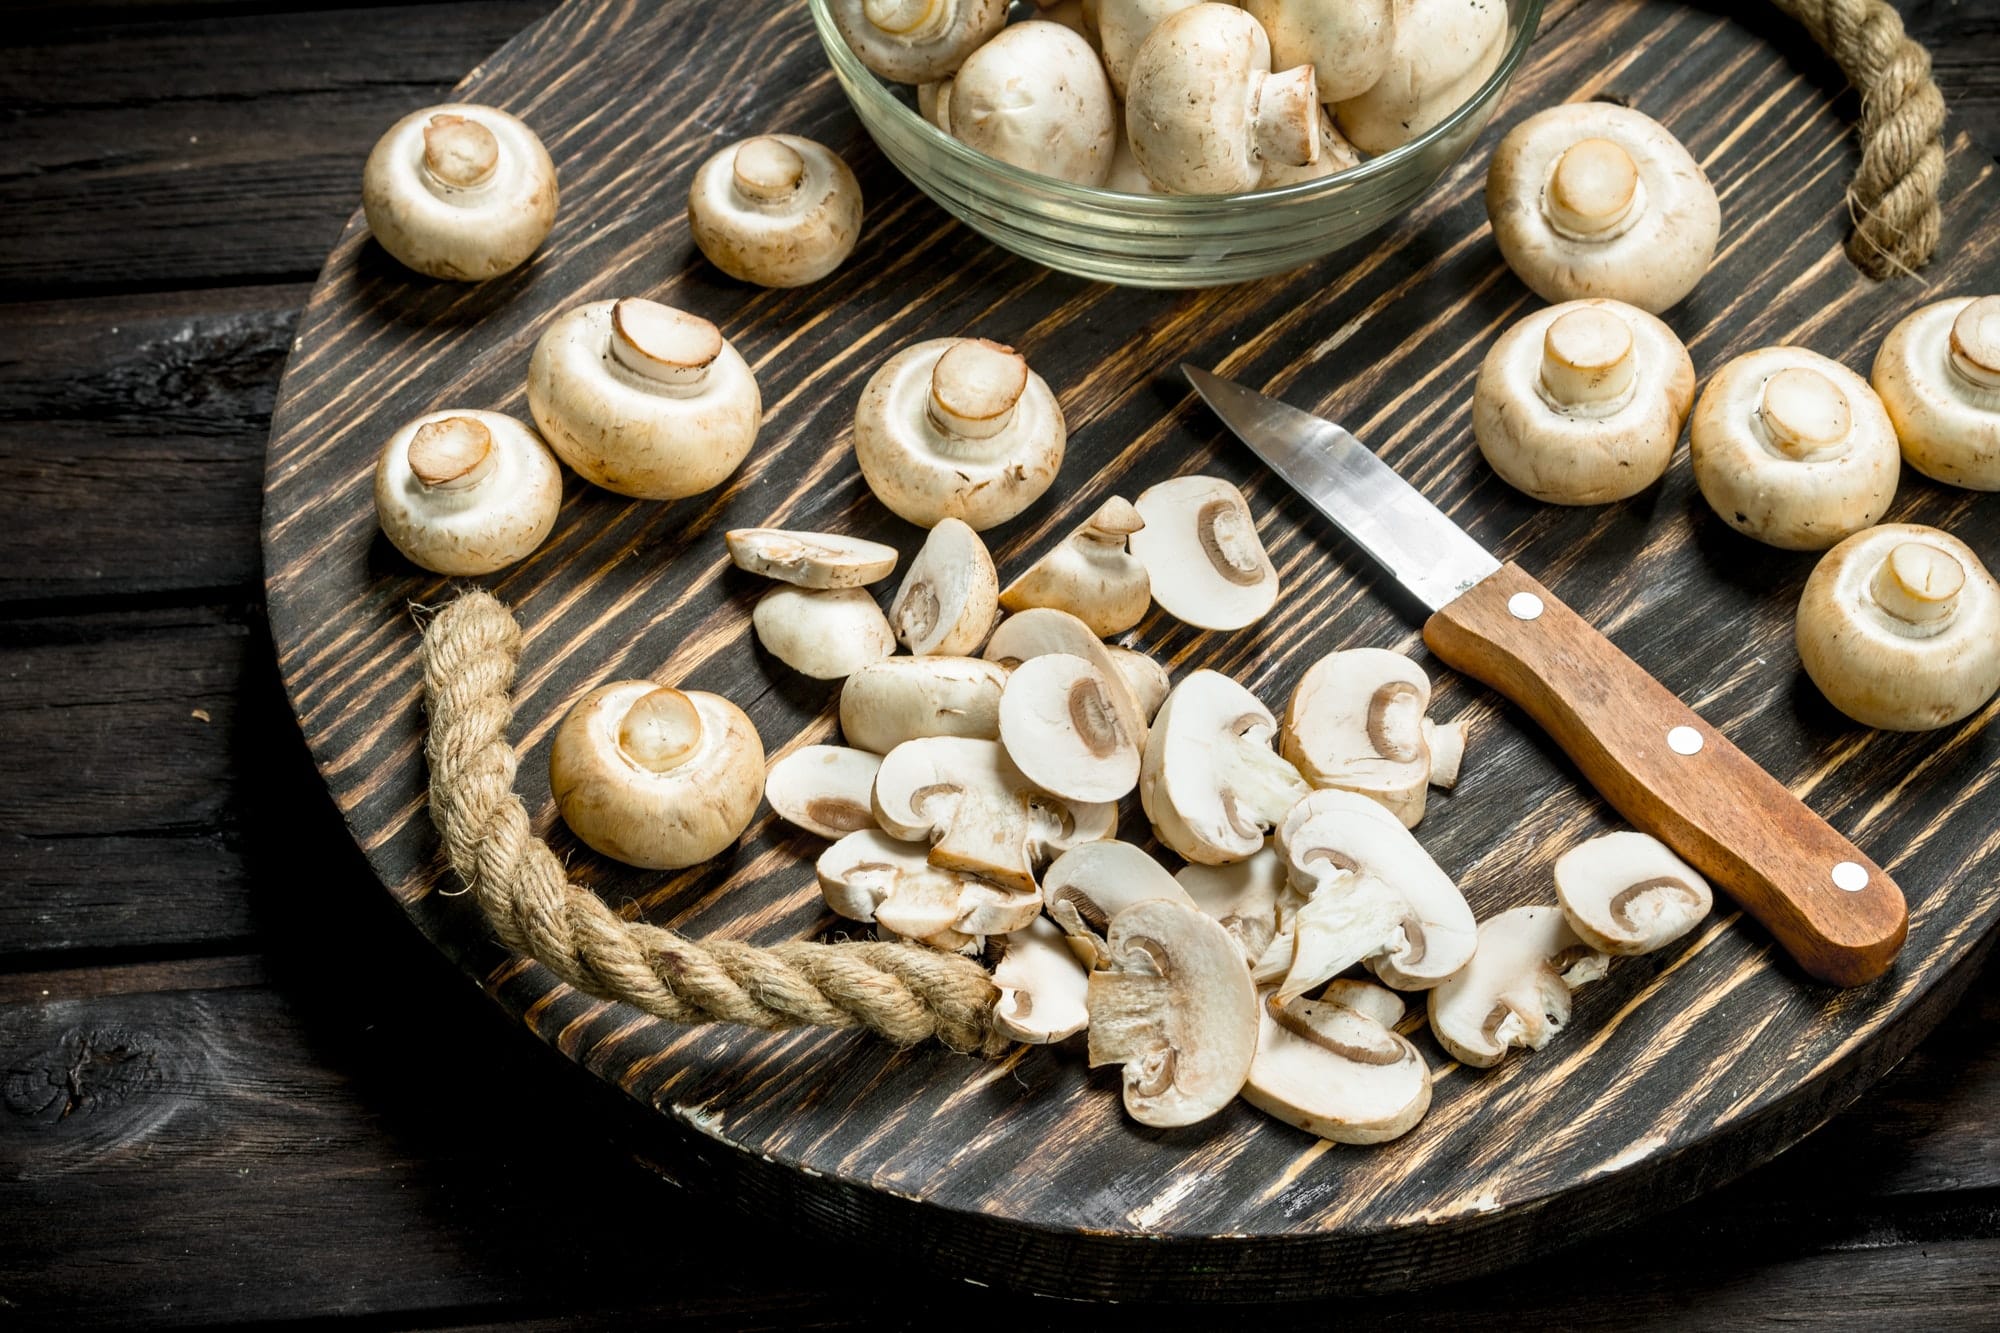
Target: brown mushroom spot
pixel 1229 540
pixel 1292 1018
pixel 1626 899
pixel 1395 722
pixel 459 151
pixel 449 452
pixel 1095 721
pixel 917 612
pixel 837 813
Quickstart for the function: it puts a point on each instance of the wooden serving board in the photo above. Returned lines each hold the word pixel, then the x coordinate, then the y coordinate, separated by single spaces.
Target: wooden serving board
pixel 1678 1072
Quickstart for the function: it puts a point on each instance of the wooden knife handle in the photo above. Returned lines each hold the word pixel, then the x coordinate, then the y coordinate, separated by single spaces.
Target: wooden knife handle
pixel 1834 910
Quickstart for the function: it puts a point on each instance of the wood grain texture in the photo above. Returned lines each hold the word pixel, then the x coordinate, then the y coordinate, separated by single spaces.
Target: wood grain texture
pixel 1680 1070
pixel 1732 821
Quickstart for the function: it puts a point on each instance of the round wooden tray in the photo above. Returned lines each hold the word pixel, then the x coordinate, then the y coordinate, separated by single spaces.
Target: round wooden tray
pixel 1678 1072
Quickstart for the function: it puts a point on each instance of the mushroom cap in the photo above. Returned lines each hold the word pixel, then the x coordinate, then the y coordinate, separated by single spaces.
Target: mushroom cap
pixel 1044 630
pixel 1583 403
pixel 1242 897
pixel 908 698
pixel 825 633
pixel 1204 112
pixel 1036 96
pixel 654 776
pixel 463 492
pixel 776 210
pixel 1938 374
pixel 981 814
pixel 1593 199
pixel 975 435
pixel 949 599
pixel 1123 27
pixel 915 41
pixel 1094 881
pixel 1515 991
pixel 459 191
pixel 1210 781
pixel 1440 55
pixel 1331 1069
pixel 1200 548
pixel 809 559
pixel 1349 43
pixel 1899 627
pixel 1144 677
pixel 1335 155
pixel 1174 1005
pixel 1060 724
pixel 1090 574
pixel 1627 893
pixel 1042 986
pixel 643 399
pixel 824 789
pixel 1793 449
pixel 1355 722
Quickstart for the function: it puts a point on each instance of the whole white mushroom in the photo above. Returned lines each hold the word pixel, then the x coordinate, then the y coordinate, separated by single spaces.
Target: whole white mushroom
pixel 1349 43
pixel 1939 377
pixel 1036 97
pixel 464 492
pixel 459 191
pixel 776 210
pixel 1441 53
pixel 916 41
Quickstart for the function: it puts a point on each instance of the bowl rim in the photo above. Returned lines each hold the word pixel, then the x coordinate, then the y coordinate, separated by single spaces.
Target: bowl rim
pixel 851 71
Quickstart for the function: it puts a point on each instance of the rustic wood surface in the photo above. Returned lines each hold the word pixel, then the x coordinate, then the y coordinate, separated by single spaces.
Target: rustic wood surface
pixel 276 1100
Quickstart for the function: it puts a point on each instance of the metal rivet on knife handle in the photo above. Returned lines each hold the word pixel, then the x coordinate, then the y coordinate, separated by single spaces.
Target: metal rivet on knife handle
pixel 1684 740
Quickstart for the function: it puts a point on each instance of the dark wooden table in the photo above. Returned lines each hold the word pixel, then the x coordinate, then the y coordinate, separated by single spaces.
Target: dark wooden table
pixel 238 1087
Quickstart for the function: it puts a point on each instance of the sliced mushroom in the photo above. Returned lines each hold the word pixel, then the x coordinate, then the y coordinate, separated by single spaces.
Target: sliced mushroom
pixel 1094 881
pixel 981 815
pixel 869 876
pixel 1939 377
pixel 459 191
pixel 916 41
pixel 1377 1002
pixel 1243 897
pixel 824 789
pixel 1333 1070
pixel 949 599
pixel 1447 746
pixel 776 210
pixel 960 428
pixel 1045 630
pixel 1201 550
pixel 654 776
pixel 1375 896
pixel 1090 575
pixel 908 698
pixel 1174 1005
pixel 1443 50
pixel 810 559
pixel 1143 676
pixel 1583 403
pixel 1349 43
pixel 1210 781
pixel 1899 626
pixel 1591 199
pixel 1356 722
pixel 1036 97
pixel 643 399
pixel 1042 986
pixel 1793 449
pixel 825 633
pixel 1627 893
pixel 463 492
pixel 1060 724
pixel 1515 991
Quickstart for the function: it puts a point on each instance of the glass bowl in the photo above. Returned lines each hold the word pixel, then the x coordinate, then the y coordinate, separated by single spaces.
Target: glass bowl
pixel 1163 240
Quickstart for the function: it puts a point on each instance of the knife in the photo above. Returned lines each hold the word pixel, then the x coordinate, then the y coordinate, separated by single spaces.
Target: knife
pixel 1651 756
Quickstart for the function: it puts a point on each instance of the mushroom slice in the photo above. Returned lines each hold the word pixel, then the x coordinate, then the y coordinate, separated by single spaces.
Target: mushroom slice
pixel 1209 781
pixel 1042 986
pixel 908 698
pixel 824 789
pixel 1515 991
pixel 1045 630
pixel 981 814
pixel 1374 896
pixel 1201 550
pixel 869 876
pixel 1174 1005
pixel 1334 1070
pixel 1243 897
pixel 949 599
pixel 653 776
pixel 825 633
pixel 1377 1002
pixel 1060 725
pixel 1626 893
pixel 809 559
pixel 1095 881
pixel 1356 722
pixel 1446 743
pixel 1145 678
pixel 1090 575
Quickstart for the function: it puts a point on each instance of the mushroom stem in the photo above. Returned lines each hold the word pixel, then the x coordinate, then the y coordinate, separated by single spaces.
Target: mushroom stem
pixel 453 454
pixel 975 387
pixel 1230 540
pixel 1285 121
pixel 1593 188
pixel 1114 521
pixel 660 731
pixel 1975 343
pixel 662 345
pixel 1918 584
pixel 459 154
pixel 1587 361
pixel 912 20
pixel 1804 414
pixel 767 173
